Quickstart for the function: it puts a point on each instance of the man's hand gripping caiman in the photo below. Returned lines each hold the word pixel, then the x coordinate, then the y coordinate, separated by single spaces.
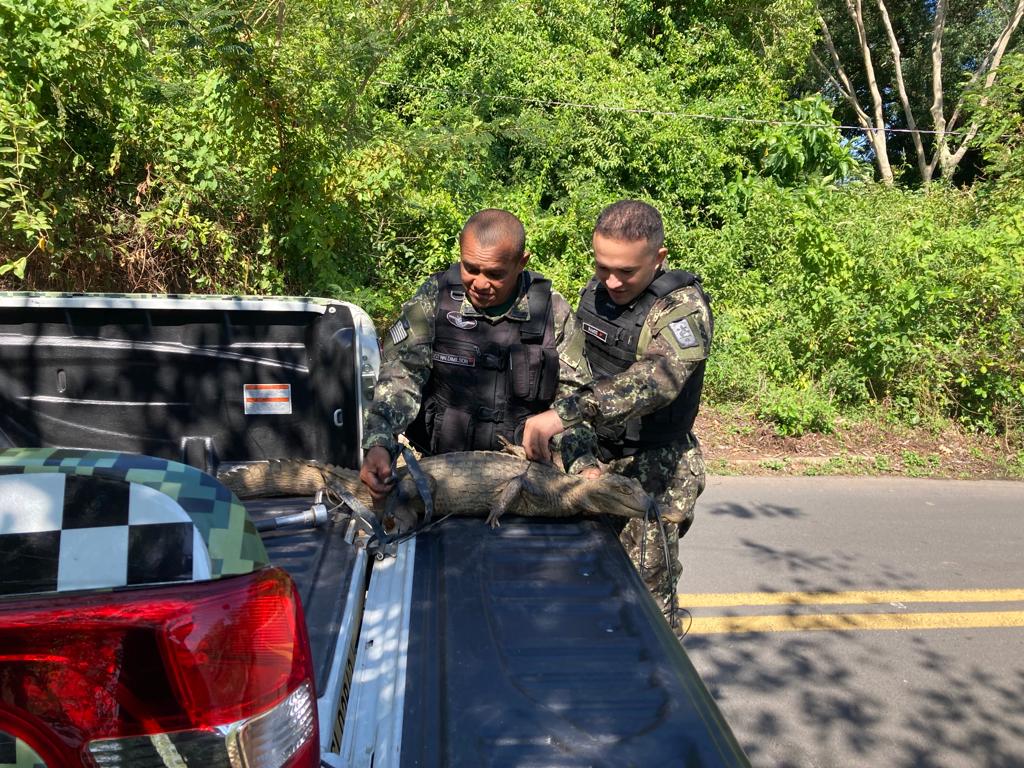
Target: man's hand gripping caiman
pixel 471 483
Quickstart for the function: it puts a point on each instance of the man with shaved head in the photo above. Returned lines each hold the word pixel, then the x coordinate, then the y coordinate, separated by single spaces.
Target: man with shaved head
pixel 478 349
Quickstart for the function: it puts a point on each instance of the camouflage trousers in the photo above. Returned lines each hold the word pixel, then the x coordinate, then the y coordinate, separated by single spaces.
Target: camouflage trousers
pixel 674 476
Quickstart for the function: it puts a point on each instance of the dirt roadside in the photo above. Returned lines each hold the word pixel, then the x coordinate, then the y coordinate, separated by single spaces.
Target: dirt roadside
pixel 736 443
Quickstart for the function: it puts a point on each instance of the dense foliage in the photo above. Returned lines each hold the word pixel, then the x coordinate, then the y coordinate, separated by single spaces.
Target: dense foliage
pixel 334 147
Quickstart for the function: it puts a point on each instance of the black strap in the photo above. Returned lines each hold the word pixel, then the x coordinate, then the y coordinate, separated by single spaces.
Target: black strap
pixel 672 280
pixel 538 295
pixel 451 277
pixel 422 486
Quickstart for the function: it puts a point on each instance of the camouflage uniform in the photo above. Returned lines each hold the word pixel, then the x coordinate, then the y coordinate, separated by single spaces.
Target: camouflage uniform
pixel 675 341
pixel 674 476
pixel 407 364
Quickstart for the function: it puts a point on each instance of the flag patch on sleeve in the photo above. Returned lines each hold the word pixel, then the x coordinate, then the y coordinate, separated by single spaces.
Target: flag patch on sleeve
pixel 398 332
pixel 683 333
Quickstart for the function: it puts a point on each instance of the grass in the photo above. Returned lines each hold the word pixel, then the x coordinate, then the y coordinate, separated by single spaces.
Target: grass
pixel 871 443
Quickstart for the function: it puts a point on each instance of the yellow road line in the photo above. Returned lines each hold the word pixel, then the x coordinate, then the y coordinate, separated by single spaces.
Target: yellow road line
pixel 730 599
pixel 710 625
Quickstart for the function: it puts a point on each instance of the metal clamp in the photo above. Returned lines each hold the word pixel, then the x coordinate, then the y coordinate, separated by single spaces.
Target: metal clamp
pixel 367 521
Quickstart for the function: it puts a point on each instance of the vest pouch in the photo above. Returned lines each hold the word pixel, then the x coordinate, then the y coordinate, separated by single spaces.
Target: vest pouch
pixel 453 430
pixel 549 375
pixel 524 362
pixel 533 372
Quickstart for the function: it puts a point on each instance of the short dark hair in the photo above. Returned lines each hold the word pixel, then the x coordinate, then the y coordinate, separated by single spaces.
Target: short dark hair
pixel 494 226
pixel 631 220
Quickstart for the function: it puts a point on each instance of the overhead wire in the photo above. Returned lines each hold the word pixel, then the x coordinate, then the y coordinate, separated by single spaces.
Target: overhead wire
pixel 559 103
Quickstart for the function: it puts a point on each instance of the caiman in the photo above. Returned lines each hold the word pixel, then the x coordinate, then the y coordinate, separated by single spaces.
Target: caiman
pixel 470 483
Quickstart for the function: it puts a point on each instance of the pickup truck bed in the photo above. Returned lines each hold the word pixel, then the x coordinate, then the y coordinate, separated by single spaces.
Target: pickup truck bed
pixel 322 564
pixel 535 644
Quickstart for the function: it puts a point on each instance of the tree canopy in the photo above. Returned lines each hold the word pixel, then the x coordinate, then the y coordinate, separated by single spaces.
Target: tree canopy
pixel 335 147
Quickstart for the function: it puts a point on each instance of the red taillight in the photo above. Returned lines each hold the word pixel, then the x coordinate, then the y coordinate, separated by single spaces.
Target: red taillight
pixel 123 664
pixel 229 661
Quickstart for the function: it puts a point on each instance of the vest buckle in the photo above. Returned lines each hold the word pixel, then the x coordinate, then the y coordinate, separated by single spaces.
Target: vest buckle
pixel 497 415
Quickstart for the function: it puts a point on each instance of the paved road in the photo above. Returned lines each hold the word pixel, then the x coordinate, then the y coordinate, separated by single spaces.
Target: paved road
pixel 862 622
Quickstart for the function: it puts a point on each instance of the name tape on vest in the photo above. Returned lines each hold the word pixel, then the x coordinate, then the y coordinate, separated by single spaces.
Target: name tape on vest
pixel 468 362
pixel 597 333
pixel 684 335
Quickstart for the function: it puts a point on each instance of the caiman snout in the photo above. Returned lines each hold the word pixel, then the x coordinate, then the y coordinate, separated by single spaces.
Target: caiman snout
pixel 611 494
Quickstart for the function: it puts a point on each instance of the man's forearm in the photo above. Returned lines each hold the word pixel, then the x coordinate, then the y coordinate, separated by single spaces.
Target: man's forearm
pixel 646 387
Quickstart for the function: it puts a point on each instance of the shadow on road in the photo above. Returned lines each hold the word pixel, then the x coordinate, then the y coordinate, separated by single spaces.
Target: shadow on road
pixel 748 512
pixel 907 699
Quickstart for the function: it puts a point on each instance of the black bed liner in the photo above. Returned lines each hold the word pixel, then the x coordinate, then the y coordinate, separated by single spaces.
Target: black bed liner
pixel 536 644
pixel 167 377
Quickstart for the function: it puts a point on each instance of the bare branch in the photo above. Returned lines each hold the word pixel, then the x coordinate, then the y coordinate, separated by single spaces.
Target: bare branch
pixel 263 15
pixel 992 59
pixel 948 160
pixel 855 9
pixel 938 106
pixel 957 156
pixel 922 163
pixel 851 98
pixel 845 87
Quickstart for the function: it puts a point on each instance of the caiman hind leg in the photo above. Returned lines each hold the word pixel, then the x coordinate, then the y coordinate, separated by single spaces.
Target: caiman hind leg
pixel 511 448
pixel 509 495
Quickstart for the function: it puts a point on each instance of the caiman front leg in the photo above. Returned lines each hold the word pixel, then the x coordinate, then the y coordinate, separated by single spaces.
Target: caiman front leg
pixel 516 493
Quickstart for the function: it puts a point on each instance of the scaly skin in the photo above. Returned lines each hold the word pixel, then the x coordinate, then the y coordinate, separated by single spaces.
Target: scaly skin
pixel 288 477
pixel 471 483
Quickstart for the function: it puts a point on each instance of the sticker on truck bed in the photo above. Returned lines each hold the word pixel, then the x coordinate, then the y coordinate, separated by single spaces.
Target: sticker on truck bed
pixel 261 399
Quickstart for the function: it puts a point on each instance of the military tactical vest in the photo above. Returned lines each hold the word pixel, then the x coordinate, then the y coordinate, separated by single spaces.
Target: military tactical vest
pixel 613 335
pixel 487 378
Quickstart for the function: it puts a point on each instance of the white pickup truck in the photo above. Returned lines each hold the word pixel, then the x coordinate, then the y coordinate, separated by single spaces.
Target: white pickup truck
pixel 150 618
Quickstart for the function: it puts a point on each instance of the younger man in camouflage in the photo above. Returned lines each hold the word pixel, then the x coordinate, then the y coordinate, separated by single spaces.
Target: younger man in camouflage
pixel 648 336
pixel 478 349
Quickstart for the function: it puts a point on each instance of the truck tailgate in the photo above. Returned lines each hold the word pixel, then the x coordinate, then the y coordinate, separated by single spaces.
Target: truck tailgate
pixel 535 644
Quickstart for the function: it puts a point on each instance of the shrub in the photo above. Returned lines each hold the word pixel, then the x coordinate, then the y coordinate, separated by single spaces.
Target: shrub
pixel 795 411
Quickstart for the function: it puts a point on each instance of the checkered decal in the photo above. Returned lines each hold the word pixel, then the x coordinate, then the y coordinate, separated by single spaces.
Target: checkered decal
pixel 87 519
pixel 15 753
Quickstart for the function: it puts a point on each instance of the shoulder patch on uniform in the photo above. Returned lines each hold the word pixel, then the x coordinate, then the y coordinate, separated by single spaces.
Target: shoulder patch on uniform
pixel 398 332
pixel 683 333
pixel 677 305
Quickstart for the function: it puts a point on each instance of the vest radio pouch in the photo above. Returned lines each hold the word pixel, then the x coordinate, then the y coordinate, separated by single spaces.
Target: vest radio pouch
pixel 533 372
pixel 452 430
pixel 549 376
